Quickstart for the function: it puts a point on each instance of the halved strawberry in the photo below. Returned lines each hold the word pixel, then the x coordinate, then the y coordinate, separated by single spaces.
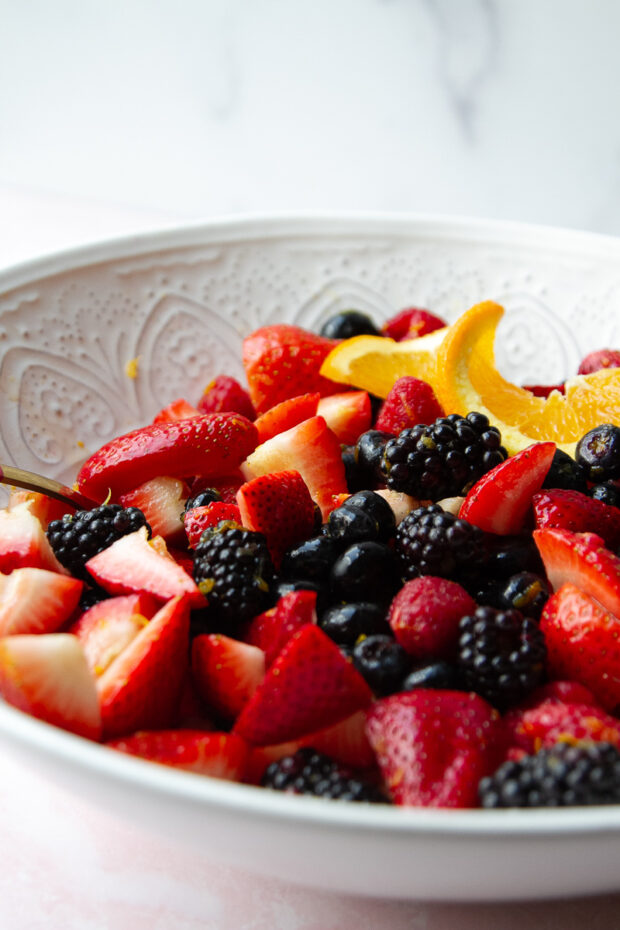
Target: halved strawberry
pixel 348 415
pixel 309 686
pixel 499 502
pixel 179 409
pixel 135 564
pixel 411 323
pixel 536 726
pixel 309 448
pixel 224 395
pixel 109 626
pixel 285 415
pixel 23 543
pixel 141 688
pixel 219 755
pixel 46 675
pixel 409 402
pixel 161 500
pixel 34 600
pixel 583 560
pixel 206 445
pixel 44 508
pixel 279 506
pixel 271 630
pixel 572 510
pixel 227 672
pixel 197 519
pixel 283 361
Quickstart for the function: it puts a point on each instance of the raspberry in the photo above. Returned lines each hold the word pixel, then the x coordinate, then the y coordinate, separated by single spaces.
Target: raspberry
pixel 425 616
pixel 310 772
pixel 78 537
pixel 430 541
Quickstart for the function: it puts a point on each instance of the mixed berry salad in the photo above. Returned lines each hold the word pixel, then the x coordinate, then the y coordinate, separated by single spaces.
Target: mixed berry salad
pixel 377 571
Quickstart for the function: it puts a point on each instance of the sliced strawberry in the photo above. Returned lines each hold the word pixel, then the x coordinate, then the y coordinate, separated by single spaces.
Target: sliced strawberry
pixel 46 675
pixel 218 755
pixel 581 558
pixel 283 361
pixel 109 626
pixel 309 686
pixel 179 409
pixel 23 543
pixel 499 502
pixel 411 323
pixel 225 395
pixel 133 564
pixel 205 445
pixel 425 616
pixel 409 402
pixel 433 747
pixel 541 725
pixel 572 510
pixel 141 688
pixel 191 712
pixel 44 508
pixel 309 448
pixel 271 630
pixel 544 390
pixel 285 415
pixel 197 519
pixel 348 415
pixel 161 500
pixel 601 358
pixel 279 506
pixel 34 600
pixel 227 672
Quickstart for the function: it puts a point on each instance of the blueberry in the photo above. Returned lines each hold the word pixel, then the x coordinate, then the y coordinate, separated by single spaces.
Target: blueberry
pixel 526 592
pixel 379 509
pixel 202 498
pixel 363 516
pixel 508 555
pixel 345 623
pixel 599 452
pixel 348 323
pixel 355 476
pixel 606 492
pixel 366 571
pixel 382 662
pixel 369 452
pixel 565 473
pixel 285 586
pixel 435 675
pixel 311 559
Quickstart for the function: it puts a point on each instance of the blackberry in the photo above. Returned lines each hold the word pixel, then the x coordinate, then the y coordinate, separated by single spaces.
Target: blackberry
pixel 608 492
pixel 345 623
pixel 366 571
pixel 444 459
pixel 563 775
pixel 233 568
pixel 430 541
pixel 78 536
pixel 599 453
pixel 310 772
pixel 565 473
pixel 202 498
pixel 382 662
pixel 91 596
pixel 348 323
pixel 501 655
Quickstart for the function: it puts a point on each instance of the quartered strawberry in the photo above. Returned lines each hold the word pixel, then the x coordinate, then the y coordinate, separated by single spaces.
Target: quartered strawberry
pixel 225 395
pixel 583 560
pixel 409 402
pixel 309 686
pixel 34 600
pixel 542 724
pixel 44 508
pixel 572 510
pixel 161 500
pixel 411 323
pixel 141 688
pixel 425 616
pixel 433 747
pixel 279 506
pixel 309 448
pixel 213 444
pixel 109 626
pixel 46 675
pixel 286 414
pixel 283 361
pixel 227 672
pixel 135 564
pixel 348 415
pixel 271 630
pixel 179 409
pixel 583 643
pixel 197 519
pixel 23 543
pixel 219 755
pixel 601 358
pixel 500 501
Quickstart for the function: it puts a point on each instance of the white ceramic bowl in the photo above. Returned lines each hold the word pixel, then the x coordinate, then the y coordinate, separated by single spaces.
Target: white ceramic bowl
pixel 179 302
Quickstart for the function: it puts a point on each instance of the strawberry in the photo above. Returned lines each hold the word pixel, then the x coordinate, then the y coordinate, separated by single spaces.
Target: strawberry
pixel 225 395
pixel 179 409
pixel 161 500
pixel 197 519
pixel 283 361
pixel 309 448
pixel 544 390
pixel 271 630
pixel 499 502
pixel 133 564
pixel 279 506
pixel 411 323
pixel 227 672
pixel 540 725
pixel 425 616
pixel 109 626
pixel 286 414
pixel 348 415
pixel 141 687
pixel 23 543
pixel 46 675
pixel 560 692
pixel 409 402
pixel 433 747
pixel 583 560
pixel 205 445
pixel 601 358
pixel 44 508
pixel 309 686
pixel 34 600
pixel 583 643
pixel 572 510
pixel 218 755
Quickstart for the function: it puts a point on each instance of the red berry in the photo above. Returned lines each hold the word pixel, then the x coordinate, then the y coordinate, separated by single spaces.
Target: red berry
pixel 409 402
pixel 425 616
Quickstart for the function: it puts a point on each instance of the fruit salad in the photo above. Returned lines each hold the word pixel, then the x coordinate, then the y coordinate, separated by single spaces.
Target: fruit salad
pixel 377 572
